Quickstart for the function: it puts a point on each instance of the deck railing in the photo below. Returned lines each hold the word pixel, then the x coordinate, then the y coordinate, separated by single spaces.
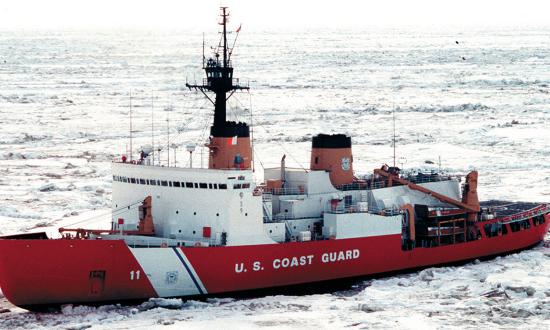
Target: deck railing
pixel 288 191
pixel 539 210
pixel 355 208
pixel 367 182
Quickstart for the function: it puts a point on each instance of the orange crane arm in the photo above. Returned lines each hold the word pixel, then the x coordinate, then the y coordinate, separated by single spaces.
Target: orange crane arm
pixel 443 198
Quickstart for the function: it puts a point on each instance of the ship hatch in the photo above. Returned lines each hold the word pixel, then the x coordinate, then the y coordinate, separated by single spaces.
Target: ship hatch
pixel 97 282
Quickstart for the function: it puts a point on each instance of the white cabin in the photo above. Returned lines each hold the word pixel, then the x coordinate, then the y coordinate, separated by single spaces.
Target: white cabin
pixel 213 207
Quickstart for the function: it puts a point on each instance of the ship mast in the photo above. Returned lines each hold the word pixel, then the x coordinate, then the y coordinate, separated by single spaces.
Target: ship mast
pixel 219 80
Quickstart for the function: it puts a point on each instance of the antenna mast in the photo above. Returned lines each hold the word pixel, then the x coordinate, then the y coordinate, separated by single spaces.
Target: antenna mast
pixel 224 22
pixel 393 136
pixel 203 57
pixel 152 129
pixel 251 133
pixel 168 135
pixel 131 147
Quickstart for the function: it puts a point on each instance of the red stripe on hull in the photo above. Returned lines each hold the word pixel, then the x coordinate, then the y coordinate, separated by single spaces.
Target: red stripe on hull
pixel 51 271
pixel 216 266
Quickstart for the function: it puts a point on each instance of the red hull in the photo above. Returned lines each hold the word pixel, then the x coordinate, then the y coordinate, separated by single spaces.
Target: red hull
pixel 34 272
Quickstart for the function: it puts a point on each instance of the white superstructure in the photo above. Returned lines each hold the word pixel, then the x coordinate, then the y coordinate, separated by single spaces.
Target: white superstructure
pixel 205 207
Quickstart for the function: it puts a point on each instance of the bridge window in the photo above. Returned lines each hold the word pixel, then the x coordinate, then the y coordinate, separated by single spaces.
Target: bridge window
pixel 237 186
pixel 189 185
pixel 153 182
pixel 246 185
pixel 222 186
pixel 132 180
pixel 215 186
pixel 203 185
pixel 142 181
pixel 176 184
pixel 164 183
pixel 209 186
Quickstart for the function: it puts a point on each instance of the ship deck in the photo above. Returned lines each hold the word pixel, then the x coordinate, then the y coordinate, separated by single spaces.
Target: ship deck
pixel 507 208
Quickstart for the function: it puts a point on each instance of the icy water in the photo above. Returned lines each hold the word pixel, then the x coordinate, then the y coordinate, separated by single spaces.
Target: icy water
pixel 482 103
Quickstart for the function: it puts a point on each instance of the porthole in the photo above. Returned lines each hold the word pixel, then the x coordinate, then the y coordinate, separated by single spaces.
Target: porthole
pixel 217 214
pixel 193 232
pixel 179 231
pixel 246 214
pixel 177 212
pixel 270 231
pixel 194 213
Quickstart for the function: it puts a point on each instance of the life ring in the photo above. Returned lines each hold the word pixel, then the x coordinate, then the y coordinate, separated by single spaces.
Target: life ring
pixel 163 244
pixel 197 244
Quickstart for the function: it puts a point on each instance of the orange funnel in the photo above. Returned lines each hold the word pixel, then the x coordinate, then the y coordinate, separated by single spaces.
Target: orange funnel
pixel 332 153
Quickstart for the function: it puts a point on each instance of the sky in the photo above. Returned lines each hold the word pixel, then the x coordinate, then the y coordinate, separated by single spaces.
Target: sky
pixel 262 14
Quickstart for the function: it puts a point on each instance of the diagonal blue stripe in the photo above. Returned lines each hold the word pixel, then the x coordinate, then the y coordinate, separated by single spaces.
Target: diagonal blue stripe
pixel 188 270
